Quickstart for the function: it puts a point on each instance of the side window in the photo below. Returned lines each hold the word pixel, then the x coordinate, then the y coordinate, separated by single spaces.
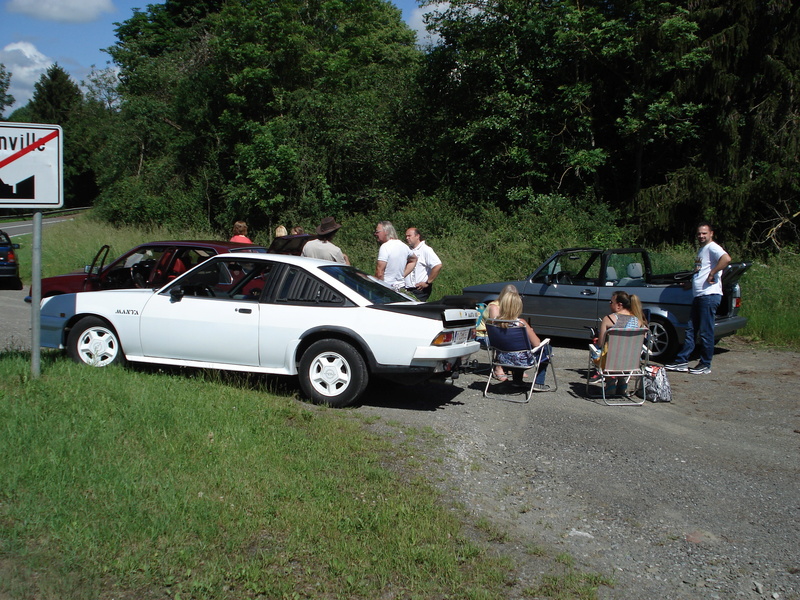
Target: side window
pixel 299 287
pixel 629 268
pixel 228 280
pixel 575 268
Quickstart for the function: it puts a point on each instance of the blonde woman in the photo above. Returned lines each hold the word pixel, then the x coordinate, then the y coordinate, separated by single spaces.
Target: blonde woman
pixel 510 309
pixel 492 311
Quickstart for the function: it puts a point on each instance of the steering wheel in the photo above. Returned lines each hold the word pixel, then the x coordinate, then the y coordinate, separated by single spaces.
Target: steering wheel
pixel 563 277
pixel 140 271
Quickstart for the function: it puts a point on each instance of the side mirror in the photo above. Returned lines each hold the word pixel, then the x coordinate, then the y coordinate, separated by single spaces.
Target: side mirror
pixel 176 293
pixel 15 246
pixel 550 279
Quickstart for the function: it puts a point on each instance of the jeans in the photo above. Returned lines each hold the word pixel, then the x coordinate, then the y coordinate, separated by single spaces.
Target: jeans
pixel 701 325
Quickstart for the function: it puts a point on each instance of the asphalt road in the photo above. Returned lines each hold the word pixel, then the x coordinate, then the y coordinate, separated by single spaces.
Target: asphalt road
pixel 15 320
pixel 21 229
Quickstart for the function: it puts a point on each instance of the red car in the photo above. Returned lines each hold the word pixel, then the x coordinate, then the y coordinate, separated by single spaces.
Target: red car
pixel 148 265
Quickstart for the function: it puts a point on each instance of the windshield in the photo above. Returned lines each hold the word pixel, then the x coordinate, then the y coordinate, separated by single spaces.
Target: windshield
pixel 364 285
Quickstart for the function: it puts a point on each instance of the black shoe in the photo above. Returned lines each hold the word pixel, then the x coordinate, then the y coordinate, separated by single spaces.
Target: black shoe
pixel 683 367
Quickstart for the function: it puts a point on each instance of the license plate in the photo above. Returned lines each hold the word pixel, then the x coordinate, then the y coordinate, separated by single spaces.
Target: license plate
pixel 461 336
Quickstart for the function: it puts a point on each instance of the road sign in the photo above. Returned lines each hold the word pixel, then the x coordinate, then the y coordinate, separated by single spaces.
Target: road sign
pixel 31 167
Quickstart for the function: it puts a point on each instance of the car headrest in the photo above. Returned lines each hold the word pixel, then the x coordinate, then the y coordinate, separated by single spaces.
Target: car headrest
pixel 635 270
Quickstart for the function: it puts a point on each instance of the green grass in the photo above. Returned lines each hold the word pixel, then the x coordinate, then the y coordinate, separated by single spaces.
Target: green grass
pixel 486 248
pixel 141 483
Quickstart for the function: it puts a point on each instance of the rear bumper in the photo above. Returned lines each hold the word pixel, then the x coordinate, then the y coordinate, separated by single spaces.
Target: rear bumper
pixel 427 362
pixel 728 326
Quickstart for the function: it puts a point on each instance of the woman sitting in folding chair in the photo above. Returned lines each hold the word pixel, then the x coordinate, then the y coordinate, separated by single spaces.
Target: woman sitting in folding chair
pixel 510 304
pixel 492 311
pixel 626 313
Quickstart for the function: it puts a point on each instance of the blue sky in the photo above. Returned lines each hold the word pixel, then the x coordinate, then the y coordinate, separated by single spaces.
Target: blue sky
pixel 34 34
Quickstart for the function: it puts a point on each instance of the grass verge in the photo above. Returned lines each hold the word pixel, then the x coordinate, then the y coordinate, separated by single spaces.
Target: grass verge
pixel 137 484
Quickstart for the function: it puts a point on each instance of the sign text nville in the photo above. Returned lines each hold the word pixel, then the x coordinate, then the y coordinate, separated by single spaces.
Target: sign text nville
pixel 31 168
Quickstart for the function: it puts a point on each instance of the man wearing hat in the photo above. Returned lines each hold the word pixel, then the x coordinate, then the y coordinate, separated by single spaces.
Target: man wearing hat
pixel 323 247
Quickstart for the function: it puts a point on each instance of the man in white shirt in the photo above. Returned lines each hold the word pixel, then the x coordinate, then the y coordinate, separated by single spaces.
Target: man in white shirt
pixel 709 263
pixel 395 259
pixel 420 281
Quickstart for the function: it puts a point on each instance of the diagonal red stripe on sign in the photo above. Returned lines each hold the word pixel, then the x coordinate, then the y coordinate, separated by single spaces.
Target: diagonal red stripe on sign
pixel 33 146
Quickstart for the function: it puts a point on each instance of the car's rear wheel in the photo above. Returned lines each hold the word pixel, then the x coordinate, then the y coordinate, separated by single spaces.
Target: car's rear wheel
pixel 663 340
pixel 93 342
pixel 332 372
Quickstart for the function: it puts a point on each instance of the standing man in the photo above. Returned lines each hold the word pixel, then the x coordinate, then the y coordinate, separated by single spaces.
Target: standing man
pixel 323 247
pixel 395 259
pixel 420 281
pixel 706 284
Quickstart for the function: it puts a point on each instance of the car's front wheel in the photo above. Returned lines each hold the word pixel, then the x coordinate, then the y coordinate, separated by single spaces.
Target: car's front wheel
pixel 332 372
pixel 663 341
pixel 93 342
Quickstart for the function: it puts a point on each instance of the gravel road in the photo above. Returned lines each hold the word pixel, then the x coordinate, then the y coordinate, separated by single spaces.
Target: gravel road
pixel 698 498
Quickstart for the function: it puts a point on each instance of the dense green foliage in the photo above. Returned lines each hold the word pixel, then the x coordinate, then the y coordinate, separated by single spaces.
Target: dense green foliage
pixel 6 99
pixel 282 111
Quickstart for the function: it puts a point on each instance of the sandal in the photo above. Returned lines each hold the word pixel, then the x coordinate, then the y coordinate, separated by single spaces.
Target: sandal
pixel 500 378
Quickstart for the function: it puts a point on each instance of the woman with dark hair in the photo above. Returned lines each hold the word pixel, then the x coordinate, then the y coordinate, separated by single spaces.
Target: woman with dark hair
pixel 626 313
pixel 240 233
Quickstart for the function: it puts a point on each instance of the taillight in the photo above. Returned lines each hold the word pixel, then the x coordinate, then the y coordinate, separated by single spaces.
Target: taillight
pixel 10 256
pixel 444 338
pixel 737 303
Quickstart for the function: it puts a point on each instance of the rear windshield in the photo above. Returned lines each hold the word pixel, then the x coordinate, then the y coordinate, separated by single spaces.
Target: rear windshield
pixel 364 285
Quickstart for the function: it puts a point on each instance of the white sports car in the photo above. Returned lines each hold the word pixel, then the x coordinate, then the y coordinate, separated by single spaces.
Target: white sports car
pixel 331 324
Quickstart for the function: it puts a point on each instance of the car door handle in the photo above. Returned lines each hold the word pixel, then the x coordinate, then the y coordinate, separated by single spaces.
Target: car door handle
pixel 246 311
pixel 587 292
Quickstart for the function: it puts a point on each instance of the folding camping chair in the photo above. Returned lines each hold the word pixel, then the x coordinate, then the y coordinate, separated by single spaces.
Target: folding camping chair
pixel 515 339
pixel 623 359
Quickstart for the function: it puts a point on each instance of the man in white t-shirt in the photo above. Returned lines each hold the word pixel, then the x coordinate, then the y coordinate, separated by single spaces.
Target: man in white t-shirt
pixel 706 284
pixel 395 259
pixel 420 281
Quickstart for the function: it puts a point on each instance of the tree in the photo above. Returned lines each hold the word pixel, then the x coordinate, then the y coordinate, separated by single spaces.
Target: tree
pixel 559 95
pixel 55 96
pixel 255 109
pixel 744 172
pixel 58 100
pixel 6 99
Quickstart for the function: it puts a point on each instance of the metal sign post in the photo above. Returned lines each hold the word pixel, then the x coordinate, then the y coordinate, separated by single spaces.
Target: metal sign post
pixel 32 176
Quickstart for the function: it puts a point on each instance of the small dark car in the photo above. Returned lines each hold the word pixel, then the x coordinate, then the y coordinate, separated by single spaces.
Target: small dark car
pixel 9 266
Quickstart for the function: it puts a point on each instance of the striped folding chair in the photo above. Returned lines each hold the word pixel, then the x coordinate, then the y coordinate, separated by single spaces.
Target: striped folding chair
pixel 621 362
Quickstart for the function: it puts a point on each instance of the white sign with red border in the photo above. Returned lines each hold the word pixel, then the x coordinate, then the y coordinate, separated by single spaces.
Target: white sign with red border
pixel 31 166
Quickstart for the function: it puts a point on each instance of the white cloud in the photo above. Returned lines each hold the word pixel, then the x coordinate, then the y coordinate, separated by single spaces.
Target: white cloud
pixel 61 11
pixel 417 22
pixel 26 65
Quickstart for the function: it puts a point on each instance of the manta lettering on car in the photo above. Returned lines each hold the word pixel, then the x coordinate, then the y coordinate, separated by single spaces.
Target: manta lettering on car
pixel 126 311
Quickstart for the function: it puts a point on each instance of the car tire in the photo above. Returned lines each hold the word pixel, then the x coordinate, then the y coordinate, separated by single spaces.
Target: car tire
pixel 94 342
pixel 663 340
pixel 332 372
